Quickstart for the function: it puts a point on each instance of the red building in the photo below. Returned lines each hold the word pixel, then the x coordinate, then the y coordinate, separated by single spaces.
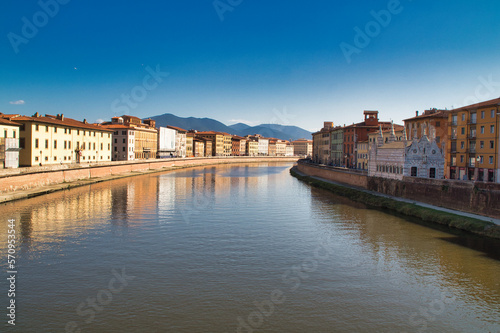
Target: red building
pixel 359 132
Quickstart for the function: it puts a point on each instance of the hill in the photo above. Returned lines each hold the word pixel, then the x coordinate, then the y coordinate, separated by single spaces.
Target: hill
pixel 207 124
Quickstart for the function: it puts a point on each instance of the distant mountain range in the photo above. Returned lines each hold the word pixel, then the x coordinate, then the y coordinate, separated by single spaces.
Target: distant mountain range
pixel 207 124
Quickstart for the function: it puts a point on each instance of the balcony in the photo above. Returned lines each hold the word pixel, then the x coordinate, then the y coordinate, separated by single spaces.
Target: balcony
pixel 453 137
pixel 471 150
pixel 454 123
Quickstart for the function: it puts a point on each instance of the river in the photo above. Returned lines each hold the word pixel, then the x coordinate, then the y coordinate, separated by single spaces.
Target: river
pixel 239 248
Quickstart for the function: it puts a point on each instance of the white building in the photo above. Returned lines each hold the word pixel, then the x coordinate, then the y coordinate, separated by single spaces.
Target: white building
pixel 398 159
pixel 166 142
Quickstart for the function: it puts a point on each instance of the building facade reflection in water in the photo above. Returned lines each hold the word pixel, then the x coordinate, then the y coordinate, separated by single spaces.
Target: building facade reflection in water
pixel 206 244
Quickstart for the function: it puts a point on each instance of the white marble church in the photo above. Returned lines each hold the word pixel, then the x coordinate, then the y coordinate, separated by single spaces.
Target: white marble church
pixel 396 159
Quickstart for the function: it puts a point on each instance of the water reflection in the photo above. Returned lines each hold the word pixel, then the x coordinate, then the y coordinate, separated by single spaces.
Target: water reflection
pixel 206 243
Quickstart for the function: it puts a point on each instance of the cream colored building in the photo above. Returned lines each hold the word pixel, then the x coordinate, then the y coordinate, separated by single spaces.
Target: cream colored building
pixel 56 139
pixel 252 147
pixel 9 143
pixel 302 147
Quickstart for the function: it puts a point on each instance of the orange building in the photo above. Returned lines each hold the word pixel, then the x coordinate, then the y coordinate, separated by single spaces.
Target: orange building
pixel 473 147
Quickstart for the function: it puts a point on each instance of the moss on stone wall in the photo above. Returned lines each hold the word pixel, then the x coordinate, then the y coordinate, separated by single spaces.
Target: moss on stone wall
pixel 468 224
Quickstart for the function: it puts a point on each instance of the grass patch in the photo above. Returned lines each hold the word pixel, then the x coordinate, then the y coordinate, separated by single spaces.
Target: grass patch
pixel 464 223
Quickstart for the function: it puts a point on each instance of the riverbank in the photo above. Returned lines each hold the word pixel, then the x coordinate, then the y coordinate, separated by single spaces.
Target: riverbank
pixel 32 183
pixel 478 225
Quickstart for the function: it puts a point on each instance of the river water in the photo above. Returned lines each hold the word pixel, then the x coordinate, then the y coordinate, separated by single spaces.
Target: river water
pixel 240 248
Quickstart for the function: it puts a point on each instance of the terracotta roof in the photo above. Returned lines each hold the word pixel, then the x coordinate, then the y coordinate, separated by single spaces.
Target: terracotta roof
pixel 178 129
pixel 116 126
pixel 8 122
pixel 438 114
pixel 491 102
pixel 67 122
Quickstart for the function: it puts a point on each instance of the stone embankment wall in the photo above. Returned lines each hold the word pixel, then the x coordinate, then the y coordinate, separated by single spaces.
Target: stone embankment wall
pixel 35 178
pixel 473 197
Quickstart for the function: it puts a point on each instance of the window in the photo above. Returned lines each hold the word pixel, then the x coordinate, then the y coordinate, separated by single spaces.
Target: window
pixel 69 132
pixel 46 144
pixel 432 173
pixel 492 144
pixel 462 158
pixel 438 124
pixel 463 116
pixel 36 143
pixel 124 132
pixel 36 127
pixel 482 129
pixel 124 141
pixel 123 148
pixel 462 130
pixel 36 158
pixel 492 129
pixel 5 134
pixel 462 145
pixel 69 144
pixel 46 158
pixel 46 128
pixel 109 146
pixel 492 113
pixel 55 129
pixel 116 140
pixel 414 171
pixel 481 144
pixel 93 146
pixel 101 146
pixel 482 114
pixel 65 144
pixel 14 134
pixel 55 158
pixel 55 144
pixel 491 159
pixel 116 148
pixel 77 132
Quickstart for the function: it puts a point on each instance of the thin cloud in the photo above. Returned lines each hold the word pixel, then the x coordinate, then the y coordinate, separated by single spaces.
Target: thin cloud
pixel 244 121
pixel 19 102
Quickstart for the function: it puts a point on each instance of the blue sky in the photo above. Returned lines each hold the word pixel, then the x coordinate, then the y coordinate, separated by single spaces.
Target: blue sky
pixel 263 62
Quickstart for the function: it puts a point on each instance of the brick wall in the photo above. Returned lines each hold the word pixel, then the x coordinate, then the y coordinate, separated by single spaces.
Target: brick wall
pixel 473 197
pixel 37 178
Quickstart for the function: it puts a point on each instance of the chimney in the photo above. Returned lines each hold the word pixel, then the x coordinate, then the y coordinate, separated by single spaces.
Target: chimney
pixel 36 115
pixel 416 113
pixel 60 117
pixel 85 121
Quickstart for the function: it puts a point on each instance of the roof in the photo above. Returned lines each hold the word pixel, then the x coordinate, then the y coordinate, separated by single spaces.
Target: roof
pixel 117 126
pixel 491 102
pixel 8 122
pixel 438 114
pixel 178 129
pixel 65 122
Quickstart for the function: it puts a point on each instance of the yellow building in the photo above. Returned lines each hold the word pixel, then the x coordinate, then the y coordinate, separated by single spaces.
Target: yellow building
pixel 228 144
pixel 252 147
pixel 56 139
pixel 146 136
pixel 321 144
pixel 190 144
pixel 474 142
pixel 363 154
pixel 219 144
pixel 302 147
